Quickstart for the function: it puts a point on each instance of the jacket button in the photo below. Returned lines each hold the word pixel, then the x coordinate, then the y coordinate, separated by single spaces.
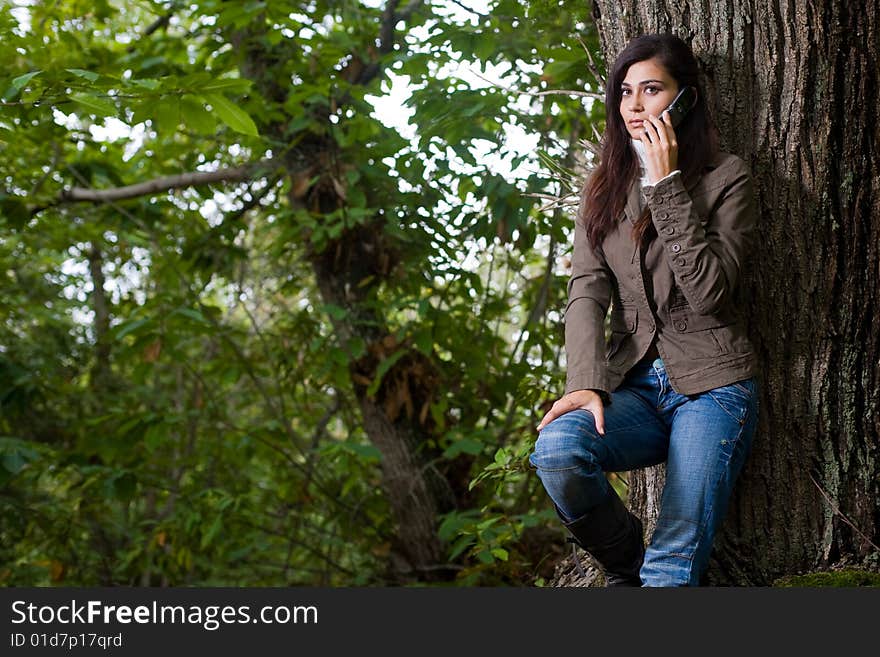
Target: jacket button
pixel 669 230
pixel 680 262
pixel 631 326
pixel 676 247
pixel 681 325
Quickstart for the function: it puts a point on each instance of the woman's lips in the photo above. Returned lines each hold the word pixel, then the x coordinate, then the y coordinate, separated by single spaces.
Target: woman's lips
pixel 636 122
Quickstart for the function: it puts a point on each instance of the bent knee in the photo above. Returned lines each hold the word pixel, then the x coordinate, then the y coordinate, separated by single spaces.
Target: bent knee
pixel 565 445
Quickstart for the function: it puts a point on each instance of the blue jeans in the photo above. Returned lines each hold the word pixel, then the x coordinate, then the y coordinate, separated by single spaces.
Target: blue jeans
pixel 703 438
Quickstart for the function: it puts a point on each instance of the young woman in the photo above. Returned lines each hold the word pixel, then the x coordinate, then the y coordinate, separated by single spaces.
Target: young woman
pixel 662 234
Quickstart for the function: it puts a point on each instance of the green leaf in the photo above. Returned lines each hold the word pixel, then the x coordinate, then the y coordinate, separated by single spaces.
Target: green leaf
pixel 18 84
pixel 124 486
pixel 336 312
pixel 465 445
pixel 95 105
pixel 166 115
pixel 460 546
pixel 485 557
pixel 211 532
pixel 146 83
pixel 366 452
pixel 232 115
pixel 88 75
pixel 233 85
pixel 192 314
pixel 130 327
pixel 196 117
pixel 500 553
pixel 154 435
pixel 14 211
pixel 424 339
pixel 13 461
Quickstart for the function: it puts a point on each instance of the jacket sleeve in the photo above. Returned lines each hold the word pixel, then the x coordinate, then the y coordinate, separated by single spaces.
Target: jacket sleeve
pixel 705 261
pixel 589 294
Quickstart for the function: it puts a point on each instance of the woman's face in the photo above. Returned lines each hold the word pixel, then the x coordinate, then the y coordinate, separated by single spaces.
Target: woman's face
pixel 646 89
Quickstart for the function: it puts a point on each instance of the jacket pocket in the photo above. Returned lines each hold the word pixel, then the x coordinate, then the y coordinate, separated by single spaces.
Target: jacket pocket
pixel 623 324
pixel 702 336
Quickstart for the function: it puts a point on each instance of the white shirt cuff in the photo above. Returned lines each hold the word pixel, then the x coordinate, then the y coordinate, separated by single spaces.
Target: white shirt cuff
pixel 668 175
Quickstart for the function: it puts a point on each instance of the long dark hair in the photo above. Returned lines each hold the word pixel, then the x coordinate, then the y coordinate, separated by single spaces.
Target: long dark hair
pixel 604 194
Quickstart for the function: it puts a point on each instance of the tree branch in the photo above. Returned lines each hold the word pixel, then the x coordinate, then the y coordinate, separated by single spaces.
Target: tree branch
pixel 386 32
pixel 409 10
pixel 390 18
pixel 592 65
pixel 538 94
pixel 165 183
pixel 836 510
pixel 56 157
pixel 468 9
pixel 158 24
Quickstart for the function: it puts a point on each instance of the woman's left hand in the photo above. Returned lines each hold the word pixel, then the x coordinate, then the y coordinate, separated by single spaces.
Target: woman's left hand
pixel 660 146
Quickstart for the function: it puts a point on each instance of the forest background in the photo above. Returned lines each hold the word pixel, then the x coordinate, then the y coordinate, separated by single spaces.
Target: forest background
pixel 261 324
pixel 178 391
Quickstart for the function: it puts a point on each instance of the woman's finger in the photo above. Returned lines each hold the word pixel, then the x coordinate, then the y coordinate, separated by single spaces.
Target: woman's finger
pixel 551 415
pixel 650 129
pixel 569 403
pixel 659 129
pixel 545 420
pixel 599 415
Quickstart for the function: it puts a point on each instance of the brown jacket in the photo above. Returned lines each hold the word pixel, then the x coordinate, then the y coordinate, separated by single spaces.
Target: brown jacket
pixel 682 289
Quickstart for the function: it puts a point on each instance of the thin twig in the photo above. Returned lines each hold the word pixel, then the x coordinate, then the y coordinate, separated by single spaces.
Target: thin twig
pixel 468 9
pixel 837 511
pixel 592 65
pixel 56 156
pixel 551 92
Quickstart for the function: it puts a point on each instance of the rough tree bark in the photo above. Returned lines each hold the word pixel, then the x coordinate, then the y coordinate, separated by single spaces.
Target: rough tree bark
pixel 793 88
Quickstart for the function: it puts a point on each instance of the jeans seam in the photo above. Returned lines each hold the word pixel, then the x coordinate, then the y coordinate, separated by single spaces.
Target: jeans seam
pixel 711 509
pixel 573 467
pixel 721 406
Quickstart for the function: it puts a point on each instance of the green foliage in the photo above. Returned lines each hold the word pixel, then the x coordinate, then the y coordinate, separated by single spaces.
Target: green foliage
pixel 207 431
pixel 846 577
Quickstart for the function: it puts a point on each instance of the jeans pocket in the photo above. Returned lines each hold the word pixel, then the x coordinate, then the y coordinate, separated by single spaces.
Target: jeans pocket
pixel 735 398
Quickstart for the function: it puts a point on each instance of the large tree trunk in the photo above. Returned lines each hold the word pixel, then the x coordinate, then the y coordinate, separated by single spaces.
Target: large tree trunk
pixel 793 89
pixel 395 415
pixel 348 271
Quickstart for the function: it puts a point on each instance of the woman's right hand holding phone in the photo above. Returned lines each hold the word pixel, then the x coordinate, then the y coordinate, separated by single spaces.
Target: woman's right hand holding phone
pixel 587 399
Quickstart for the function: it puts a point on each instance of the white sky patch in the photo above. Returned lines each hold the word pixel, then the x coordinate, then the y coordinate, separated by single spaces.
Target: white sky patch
pixel 20 10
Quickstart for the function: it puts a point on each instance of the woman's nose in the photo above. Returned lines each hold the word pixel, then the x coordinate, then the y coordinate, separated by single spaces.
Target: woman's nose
pixel 635 103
